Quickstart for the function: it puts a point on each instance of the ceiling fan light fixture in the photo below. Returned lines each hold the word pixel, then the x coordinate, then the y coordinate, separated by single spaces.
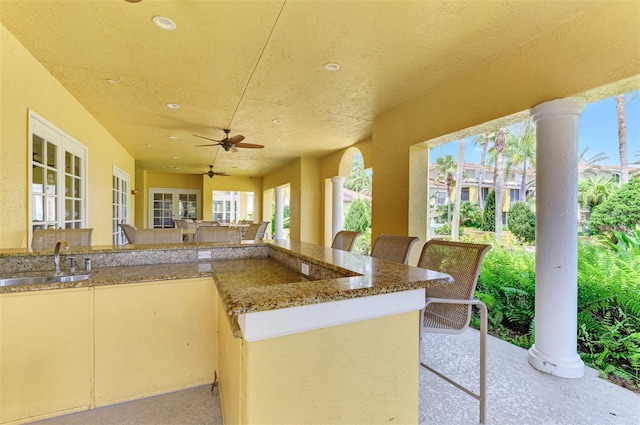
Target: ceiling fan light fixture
pixel 164 23
pixel 172 105
pixel 331 66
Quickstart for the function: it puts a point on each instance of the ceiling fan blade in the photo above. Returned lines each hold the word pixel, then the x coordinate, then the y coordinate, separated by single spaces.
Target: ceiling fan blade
pixel 223 174
pixel 249 145
pixel 206 138
pixel 213 144
pixel 235 139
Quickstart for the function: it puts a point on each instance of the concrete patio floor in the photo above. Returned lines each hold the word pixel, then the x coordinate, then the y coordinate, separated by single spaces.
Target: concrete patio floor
pixel 517 394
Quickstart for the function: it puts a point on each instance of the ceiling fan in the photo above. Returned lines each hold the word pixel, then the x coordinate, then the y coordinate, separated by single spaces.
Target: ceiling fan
pixel 212 173
pixel 230 143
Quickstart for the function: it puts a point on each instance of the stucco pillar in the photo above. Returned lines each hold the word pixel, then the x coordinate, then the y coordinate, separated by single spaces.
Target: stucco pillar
pixel 555 349
pixel 337 184
pixel 279 212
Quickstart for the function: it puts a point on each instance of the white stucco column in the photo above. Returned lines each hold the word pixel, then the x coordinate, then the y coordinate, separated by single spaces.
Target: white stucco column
pixel 337 184
pixel 279 212
pixel 555 349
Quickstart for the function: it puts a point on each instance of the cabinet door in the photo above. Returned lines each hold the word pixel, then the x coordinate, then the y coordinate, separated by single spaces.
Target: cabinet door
pixel 151 338
pixel 45 353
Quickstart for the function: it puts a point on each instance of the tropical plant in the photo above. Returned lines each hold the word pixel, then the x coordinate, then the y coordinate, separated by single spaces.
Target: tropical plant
pixel 489 215
pixel 520 151
pixel 620 212
pixel 358 180
pixel 595 190
pixel 358 218
pixel 446 166
pixel 590 166
pixel 470 215
pixel 522 222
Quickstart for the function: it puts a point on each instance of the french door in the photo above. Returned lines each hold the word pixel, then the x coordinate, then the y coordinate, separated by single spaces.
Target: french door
pixel 57 181
pixel 167 205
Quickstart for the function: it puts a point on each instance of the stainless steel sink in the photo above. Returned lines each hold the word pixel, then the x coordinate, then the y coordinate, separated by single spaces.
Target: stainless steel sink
pixel 31 280
pixel 70 278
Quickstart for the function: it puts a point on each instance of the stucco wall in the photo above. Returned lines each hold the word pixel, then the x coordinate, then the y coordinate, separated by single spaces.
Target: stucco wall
pixel 24 85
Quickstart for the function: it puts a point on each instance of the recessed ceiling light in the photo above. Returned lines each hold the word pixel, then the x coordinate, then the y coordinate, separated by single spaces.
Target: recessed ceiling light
pixel 164 23
pixel 174 137
pixel 176 168
pixel 176 157
pixel 277 122
pixel 331 66
pixel 172 105
pixel 111 82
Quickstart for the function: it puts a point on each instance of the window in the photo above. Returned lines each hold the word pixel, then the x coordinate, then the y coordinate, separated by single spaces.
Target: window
pixel 120 204
pixel 514 195
pixel 485 193
pixel 166 205
pixel 464 194
pixel 232 206
pixel 441 198
pixel 57 183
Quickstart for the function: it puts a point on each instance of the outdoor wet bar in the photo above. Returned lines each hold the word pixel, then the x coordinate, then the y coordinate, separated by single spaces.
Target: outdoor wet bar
pixel 289 331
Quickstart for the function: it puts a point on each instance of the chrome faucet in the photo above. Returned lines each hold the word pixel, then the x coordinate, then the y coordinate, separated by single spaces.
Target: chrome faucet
pixel 56 253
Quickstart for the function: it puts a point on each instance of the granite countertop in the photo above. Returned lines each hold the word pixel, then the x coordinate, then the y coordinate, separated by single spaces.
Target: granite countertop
pixel 259 284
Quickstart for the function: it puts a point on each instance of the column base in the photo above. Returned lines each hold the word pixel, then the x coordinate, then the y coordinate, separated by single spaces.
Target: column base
pixel 564 367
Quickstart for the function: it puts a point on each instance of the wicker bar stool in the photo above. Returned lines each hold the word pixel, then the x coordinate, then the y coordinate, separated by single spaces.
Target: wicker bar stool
pixel 344 240
pixel 393 248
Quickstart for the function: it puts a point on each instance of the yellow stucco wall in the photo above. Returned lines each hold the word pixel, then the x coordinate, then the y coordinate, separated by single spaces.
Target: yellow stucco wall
pixel 570 60
pixel 24 85
pixel 332 376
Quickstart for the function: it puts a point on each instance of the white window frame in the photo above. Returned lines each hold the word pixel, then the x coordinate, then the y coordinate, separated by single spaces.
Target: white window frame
pixel 64 143
pixel 121 210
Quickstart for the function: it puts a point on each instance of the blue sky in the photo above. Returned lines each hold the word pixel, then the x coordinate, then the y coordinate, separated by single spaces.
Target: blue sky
pixel 597 130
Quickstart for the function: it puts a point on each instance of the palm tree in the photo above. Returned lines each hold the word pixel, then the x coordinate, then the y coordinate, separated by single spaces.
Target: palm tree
pixel 622 139
pixel 498 178
pixel 483 140
pixel 446 167
pixel 595 190
pixel 455 225
pixel 590 165
pixel 522 150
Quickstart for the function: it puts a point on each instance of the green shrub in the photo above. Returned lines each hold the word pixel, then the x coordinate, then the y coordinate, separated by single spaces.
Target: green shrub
pixel 522 222
pixel 489 215
pixel 470 215
pixel 620 212
pixel 358 217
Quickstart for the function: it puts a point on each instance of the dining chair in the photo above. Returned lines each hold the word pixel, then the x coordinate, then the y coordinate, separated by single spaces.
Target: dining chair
pixel 129 232
pixel 158 236
pixel 218 234
pixel 448 307
pixel 46 239
pixel 344 240
pixel 393 248
pixel 256 231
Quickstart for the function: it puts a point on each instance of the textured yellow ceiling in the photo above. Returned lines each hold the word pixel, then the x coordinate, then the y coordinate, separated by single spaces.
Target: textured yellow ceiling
pixel 241 64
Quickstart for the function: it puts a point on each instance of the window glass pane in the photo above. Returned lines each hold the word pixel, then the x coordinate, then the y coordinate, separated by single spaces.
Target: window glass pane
pixel 50 211
pixel 77 166
pixel 51 182
pixel 68 186
pixel 76 210
pixel 38 149
pixel 68 209
pixel 38 208
pixel 68 162
pixel 76 188
pixel 37 174
pixel 51 155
